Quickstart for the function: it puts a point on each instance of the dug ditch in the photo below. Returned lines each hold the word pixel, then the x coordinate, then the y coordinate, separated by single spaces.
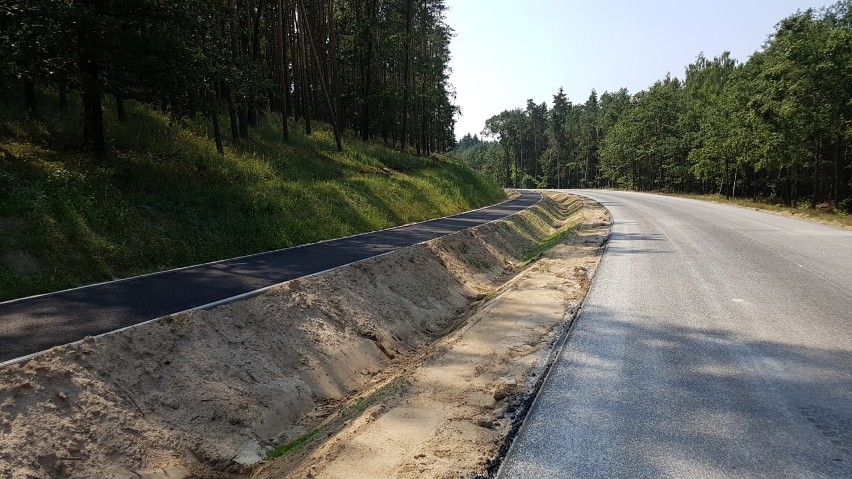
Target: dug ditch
pixel 407 365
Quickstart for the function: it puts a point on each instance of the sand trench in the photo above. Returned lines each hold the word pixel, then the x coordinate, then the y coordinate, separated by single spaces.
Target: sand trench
pixel 400 358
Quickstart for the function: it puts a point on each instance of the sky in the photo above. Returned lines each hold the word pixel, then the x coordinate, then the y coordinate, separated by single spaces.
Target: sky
pixel 506 51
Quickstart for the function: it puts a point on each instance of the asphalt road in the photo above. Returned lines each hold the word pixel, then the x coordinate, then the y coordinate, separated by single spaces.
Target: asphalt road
pixel 716 342
pixel 34 324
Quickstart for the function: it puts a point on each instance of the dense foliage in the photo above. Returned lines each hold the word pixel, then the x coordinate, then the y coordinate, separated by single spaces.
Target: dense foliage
pixel 378 67
pixel 778 126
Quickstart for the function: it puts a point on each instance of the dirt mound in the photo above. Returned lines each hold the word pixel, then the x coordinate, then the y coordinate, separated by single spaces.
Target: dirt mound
pixel 451 413
pixel 208 393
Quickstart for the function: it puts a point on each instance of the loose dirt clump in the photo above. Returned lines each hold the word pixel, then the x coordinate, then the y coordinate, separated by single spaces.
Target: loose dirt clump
pixel 211 393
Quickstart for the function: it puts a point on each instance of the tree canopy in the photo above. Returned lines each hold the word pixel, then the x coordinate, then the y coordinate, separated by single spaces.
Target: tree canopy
pixel 778 126
pixel 377 67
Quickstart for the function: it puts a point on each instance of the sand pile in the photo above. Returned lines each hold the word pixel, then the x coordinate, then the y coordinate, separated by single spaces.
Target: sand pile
pixel 209 393
pixel 451 413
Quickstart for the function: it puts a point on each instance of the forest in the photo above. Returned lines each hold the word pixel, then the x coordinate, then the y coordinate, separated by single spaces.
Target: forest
pixel 777 127
pixel 375 67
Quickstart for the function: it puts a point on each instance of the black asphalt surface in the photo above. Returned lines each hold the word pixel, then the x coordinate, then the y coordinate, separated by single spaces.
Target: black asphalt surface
pixel 715 342
pixel 34 324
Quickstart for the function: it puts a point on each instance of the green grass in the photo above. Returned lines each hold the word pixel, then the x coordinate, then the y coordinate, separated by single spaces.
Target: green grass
pixel 838 218
pixel 292 446
pixel 548 243
pixel 361 403
pixel 164 198
pixel 348 411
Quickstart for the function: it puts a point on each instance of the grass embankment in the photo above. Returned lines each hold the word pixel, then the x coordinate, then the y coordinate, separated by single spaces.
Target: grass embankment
pixel 837 218
pixel 165 199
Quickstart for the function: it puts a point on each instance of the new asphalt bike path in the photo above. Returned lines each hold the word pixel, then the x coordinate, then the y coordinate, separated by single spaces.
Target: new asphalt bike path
pixel 33 324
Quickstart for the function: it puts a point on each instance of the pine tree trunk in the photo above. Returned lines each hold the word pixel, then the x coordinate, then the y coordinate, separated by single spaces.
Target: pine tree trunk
pixel 285 76
pixel 93 114
pixel 366 72
pixel 334 82
pixel 63 97
pixel 406 73
pixel 815 194
pixel 325 84
pixel 242 116
pixel 835 190
pixel 306 100
pixel 506 164
pixel 30 98
pixel 232 115
pixel 119 108
pixel 93 122
pixel 217 128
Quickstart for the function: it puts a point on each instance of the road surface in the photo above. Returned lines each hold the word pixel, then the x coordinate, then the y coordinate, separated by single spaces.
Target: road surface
pixel 37 323
pixel 716 342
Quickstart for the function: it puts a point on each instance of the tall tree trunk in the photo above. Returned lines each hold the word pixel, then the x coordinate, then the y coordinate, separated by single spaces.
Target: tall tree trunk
pixel 232 115
pixel 794 193
pixel 303 64
pixel 366 67
pixel 119 109
pixel 30 98
pixel 633 178
pixel 217 129
pixel 325 85
pixel 406 72
pixel 815 194
pixel 835 198
pixel 90 69
pixel 734 187
pixel 242 115
pixel 63 96
pixel 253 54
pixel 93 121
pixel 535 167
pixel 423 110
pixel 506 166
pixel 285 77
pixel 298 94
pixel 334 72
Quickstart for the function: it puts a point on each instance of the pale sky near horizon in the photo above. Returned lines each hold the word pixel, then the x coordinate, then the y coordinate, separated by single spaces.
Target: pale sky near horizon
pixel 506 51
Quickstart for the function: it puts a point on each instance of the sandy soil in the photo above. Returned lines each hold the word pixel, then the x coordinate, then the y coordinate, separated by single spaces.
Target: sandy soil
pixel 208 394
pixel 451 412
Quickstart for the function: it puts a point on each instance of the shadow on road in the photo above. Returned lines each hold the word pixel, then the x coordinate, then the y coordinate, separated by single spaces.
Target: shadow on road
pixel 708 399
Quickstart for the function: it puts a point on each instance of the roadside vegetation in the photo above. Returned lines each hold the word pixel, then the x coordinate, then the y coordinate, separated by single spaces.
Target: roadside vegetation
pixel 777 128
pixel 137 136
pixel 164 198
pixel 548 243
pixel 803 210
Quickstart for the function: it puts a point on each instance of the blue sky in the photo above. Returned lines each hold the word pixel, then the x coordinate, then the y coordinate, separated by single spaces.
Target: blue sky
pixel 506 51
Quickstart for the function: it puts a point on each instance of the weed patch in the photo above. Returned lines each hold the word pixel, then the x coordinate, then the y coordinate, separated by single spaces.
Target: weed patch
pixel 837 217
pixel 293 445
pixel 361 403
pixel 548 243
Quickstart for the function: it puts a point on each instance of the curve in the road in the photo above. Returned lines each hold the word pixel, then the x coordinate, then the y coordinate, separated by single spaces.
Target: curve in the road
pixel 30 325
pixel 716 341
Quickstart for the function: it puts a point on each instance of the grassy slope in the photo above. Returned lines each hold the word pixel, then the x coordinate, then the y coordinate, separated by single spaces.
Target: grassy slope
pixel 164 198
